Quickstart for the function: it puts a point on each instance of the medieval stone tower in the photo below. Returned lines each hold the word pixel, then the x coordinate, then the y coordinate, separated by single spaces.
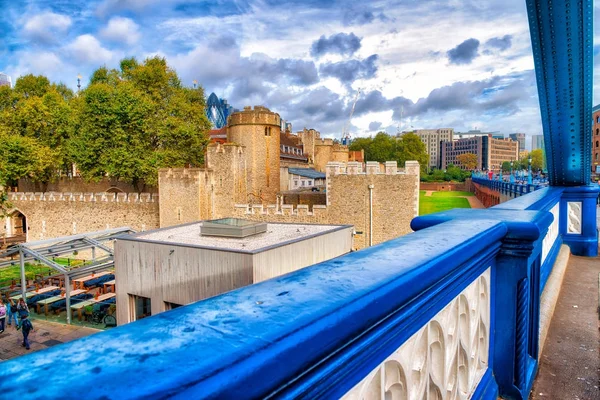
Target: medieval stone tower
pixel 258 131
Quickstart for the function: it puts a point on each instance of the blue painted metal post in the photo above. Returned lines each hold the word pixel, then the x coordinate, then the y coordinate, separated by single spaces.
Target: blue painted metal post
pixel 512 177
pixel 517 278
pixel 562 43
pixel 529 176
pixel 515 361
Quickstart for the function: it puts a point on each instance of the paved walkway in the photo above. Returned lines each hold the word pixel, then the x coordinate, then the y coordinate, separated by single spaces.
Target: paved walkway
pixel 569 366
pixel 474 202
pixel 46 334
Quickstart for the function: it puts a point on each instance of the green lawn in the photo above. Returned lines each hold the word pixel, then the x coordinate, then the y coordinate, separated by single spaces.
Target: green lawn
pixel 441 201
pixel 452 194
pixel 14 272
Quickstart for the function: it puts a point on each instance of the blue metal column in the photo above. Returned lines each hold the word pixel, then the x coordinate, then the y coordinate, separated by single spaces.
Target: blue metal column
pixel 562 42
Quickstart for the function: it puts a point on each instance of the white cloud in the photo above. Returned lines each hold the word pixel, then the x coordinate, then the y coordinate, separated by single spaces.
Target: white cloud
pixel 46 27
pixel 122 30
pixel 108 7
pixel 87 49
pixel 37 63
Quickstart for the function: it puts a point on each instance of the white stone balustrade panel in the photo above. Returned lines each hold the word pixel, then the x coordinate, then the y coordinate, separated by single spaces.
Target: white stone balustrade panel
pixel 445 359
pixel 552 233
pixel 574 217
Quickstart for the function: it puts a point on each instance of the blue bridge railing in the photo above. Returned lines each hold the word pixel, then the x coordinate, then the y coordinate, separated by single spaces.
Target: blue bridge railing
pixel 512 189
pixel 451 309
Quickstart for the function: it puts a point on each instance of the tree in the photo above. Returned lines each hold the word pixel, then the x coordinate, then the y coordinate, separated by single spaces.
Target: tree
pixel 133 121
pixel 537 160
pixel 32 85
pixel 506 166
pixel 23 157
pixel 38 110
pixel 384 147
pixel 467 160
pixel 410 147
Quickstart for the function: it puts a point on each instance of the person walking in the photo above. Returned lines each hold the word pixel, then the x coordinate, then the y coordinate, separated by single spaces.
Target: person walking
pixel 12 312
pixel 26 328
pixel 2 315
pixel 22 311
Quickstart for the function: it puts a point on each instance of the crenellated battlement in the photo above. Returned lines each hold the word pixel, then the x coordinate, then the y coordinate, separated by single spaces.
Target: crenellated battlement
pixel 179 173
pixel 216 148
pixel 85 197
pixel 301 210
pixel 371 168
pixel 258 115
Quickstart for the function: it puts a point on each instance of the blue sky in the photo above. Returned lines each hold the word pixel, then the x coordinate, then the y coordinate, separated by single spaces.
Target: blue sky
pixel 464 64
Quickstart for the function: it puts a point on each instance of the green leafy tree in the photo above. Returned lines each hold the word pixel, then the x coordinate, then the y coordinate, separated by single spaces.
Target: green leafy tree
pixel 133 121
pixel 410 147
pixel 384 147
pixel 40 111
pixel 467 160
pixel 23 157
pixel 537 160
pixel 32 85
pixel 506 166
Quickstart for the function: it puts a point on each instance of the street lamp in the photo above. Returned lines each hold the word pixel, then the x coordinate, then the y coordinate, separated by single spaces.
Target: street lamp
pixel 78 82
pixel 512 178
pixel 529 177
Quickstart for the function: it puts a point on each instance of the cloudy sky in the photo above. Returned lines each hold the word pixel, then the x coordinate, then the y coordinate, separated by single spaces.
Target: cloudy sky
pixel 464 64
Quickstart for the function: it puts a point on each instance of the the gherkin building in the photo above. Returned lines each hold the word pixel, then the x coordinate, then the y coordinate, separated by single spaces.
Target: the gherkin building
pixel 217 111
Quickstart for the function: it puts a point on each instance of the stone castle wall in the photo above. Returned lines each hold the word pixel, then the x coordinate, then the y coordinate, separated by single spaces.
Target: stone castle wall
pixel 258 131
pixel 327 151
pixel 80 185
pixel 193 194
pixel 181 199
pixel 52 214
pixel 309 138
pixel 395 201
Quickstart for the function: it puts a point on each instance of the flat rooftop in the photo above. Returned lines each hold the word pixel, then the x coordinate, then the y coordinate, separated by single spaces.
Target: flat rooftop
pixel 277 234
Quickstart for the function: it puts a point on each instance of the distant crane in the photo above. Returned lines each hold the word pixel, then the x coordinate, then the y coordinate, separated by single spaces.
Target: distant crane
pixel 345 132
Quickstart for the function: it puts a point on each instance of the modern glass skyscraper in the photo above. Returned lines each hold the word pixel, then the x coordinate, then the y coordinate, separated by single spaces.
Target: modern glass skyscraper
pixel 5 80
pixel 537 142
pixel 518 137
pixel 217 111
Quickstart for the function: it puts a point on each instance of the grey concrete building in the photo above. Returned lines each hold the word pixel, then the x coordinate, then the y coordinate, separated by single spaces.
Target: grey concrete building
pixel 433 138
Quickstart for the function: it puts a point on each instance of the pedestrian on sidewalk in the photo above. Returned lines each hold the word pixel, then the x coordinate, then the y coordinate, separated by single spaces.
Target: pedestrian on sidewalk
pixel 26 328
pixel 2 315
pixel 22 310
pixel 12 312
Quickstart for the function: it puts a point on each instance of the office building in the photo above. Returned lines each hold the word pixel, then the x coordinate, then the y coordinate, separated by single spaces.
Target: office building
pixel 5 80
pixel 520 138
pixel 476 133
pixel 490 152
pixel 537 142
pixel 432 138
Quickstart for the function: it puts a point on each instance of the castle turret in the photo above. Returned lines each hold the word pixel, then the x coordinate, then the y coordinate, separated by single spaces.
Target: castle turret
pixel 258 131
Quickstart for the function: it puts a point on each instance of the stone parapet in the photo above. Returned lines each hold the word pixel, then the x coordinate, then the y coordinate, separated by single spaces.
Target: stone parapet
pixel 258 115
pixel 252 211
pixel 85 197
pixel 371 168
pixel 179 173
